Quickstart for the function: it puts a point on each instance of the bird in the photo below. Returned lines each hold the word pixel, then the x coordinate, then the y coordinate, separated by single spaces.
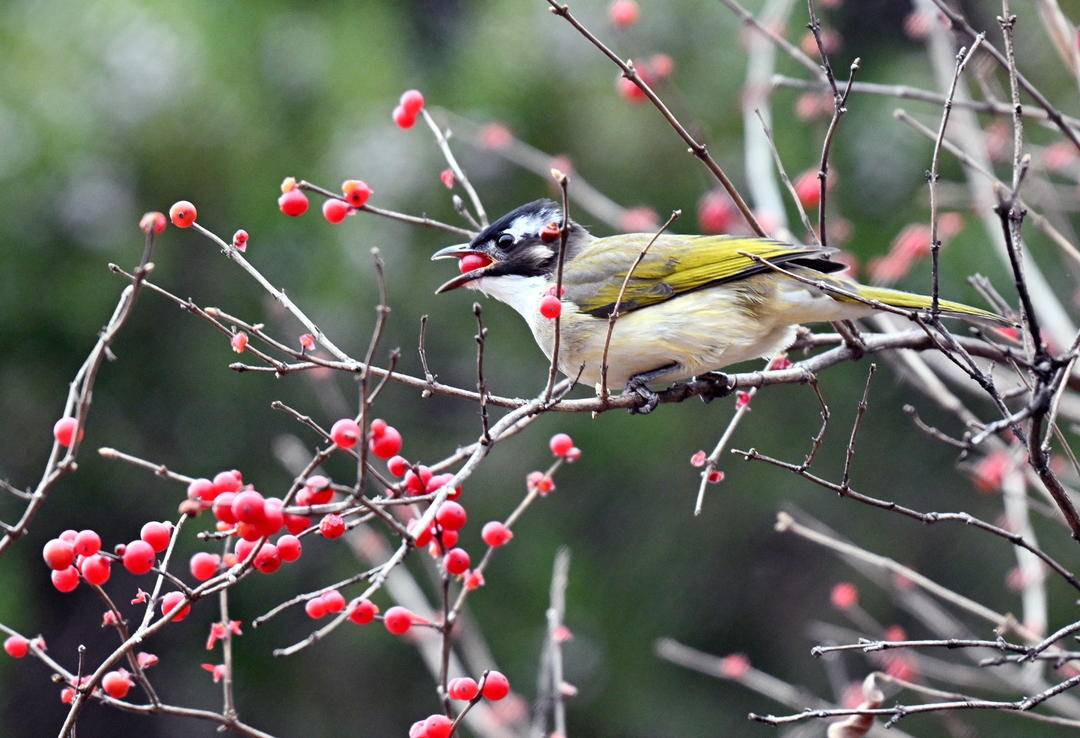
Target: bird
pixel 692 306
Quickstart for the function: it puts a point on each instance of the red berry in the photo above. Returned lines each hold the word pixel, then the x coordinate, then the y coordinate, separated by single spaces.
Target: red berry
pixel 65 580
pixel 296 524
pixel 356 192
pixel 170 604
pixel 240 239
pixel 202 490
pixel 629 91
pixel 273 518
pixel 69 536
pixel 456 561
pixel 223 507
pixel 496 534
pixel 561 444
pixel 249 507
pixel 398 620
pixel 319 490
pixel 451 516
pixel 446 176
pixel 332 526
pixel 334 601
pixel 267 561
pixel 462 688
pixel 397 465
pixel 387 444
pixel 95 569
pixel 808 189
pixel 182 214
pixel 16 646
pixel 116 684
pixel 437 726
pixel 58 554
pixel 734 666
pixel 418 730
pixel 623 13
pixel 716 213
pixel 64 431
pixel 157 535
pixel 412 102
pixel 550 307
pixel 422 537
pixel 293 203
pixel 289 548
pixel 496 686
pixel 449 538
pixel 335 210
pixel 364 612
pixel 87 543
pixel 204 565
pixel 152 221
pixel 844 595
pixel 228 481
pixel 244 549
pixel 315 608
pixel 345 433
pixel 139 557
pixel 472 262
pixel 402 119
pixel 378 427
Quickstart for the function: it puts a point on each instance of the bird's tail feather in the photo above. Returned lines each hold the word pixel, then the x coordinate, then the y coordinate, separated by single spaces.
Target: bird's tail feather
pixel 911 301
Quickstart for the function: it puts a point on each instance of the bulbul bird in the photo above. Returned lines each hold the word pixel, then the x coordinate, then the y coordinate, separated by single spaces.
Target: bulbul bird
pixel 694 305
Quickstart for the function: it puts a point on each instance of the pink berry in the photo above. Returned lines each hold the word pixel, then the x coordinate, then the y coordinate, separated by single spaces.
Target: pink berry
pixel 293 203
pixel 204 565
pixel 182 214
pixel 446 176
pixel 16 646
pixel 623 13
pixel 170 604
pixel 157 535
pixel 139 557
pixel 451 516
pixel 249 507
pixel 387 444
pixel 153 222
pixel 315 608
pixel 402 119
pixel 58 554
pixel 228 481
pixel 332 526
pixel 202 490
pixel 243 549
pixel 734 666
pixel 64 431
pixel 267 561
pixel 356 191
pixel 496 534
pixel 335 210
pixel 378 427
pixel 273 518
pixel 398 620
pixel 397 465
pixel 95 569
pixel 716 213
pixel 87 543
pixel 412 102
pixel 462 688
pixel 561 444
pixel 345 433
pixel 116 684
pixel 844 595
pixel 334 601
pixel 364 612
pixel 437 726
pixel 496 686
pixel 240 239
pixel 550 307
pixel 222 507
pixel 239 342
pixel 296 524
pixel 289 548
pixel 456 561
pixel 808 189
pixel 65 580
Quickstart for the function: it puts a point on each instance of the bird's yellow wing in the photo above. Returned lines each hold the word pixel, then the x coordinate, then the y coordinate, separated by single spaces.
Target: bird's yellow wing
pixel 673 266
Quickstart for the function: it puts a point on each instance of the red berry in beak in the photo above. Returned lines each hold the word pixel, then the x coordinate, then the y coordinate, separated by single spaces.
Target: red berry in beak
pixel 472 262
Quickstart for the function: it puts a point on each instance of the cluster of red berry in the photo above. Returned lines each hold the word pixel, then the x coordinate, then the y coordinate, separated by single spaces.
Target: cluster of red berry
pixel 493 686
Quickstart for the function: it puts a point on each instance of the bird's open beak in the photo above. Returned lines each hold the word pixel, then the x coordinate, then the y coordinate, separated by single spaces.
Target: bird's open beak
pixel 476 261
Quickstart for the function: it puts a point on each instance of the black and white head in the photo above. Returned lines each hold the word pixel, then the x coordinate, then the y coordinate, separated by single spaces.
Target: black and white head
pixel 519 244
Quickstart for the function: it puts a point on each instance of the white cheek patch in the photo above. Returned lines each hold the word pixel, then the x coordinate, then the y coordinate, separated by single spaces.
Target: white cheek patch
pixel 530 225
pixel 540 253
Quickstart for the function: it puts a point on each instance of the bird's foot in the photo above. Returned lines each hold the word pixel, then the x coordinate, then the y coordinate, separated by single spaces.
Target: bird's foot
pixel 640 386
pixel 712 385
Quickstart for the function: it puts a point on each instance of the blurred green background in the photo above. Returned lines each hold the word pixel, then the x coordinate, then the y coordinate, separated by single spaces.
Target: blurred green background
pixel 112 108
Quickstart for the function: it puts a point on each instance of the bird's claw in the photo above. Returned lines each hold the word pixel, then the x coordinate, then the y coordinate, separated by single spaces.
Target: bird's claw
pixel 713 385
pixel 640 388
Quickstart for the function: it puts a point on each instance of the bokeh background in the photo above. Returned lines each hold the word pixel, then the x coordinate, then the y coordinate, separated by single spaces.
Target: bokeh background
pixel 112 108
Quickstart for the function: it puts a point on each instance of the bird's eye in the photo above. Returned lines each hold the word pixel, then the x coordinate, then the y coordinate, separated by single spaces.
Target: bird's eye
pixel 505 241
